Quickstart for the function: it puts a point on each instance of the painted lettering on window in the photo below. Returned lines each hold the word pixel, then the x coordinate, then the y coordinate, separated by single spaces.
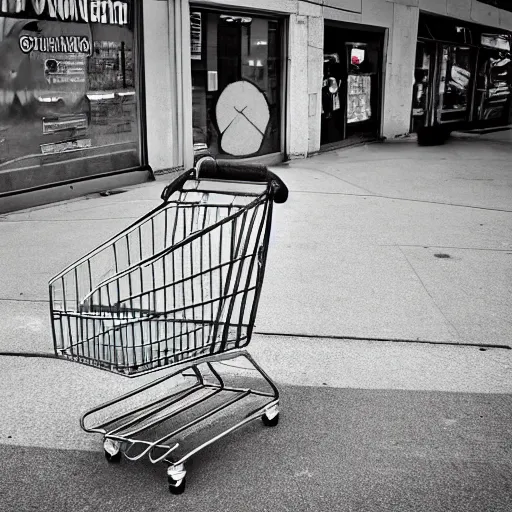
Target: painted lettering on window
pixel 61 44
pixel 108 12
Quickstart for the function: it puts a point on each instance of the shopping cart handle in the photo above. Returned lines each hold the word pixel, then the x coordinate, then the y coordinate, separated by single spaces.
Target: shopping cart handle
pixel 244 172
pixel 177 184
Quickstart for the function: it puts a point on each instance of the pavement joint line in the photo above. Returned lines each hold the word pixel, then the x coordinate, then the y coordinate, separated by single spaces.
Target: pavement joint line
pixel 457 205
pixel 13 221
pixel 343 159
pixel 344 181
pixel 41 355
pixel 392 340
pixel 447 247
pixel 428 293
pixel 124 201
pixel 43 301
pixel 48 355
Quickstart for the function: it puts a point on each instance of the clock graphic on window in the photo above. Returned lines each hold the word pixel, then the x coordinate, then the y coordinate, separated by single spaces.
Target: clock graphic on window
pixel 243 115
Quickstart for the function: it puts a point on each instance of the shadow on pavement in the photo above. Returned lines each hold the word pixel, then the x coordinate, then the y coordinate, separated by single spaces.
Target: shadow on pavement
pixel 334 449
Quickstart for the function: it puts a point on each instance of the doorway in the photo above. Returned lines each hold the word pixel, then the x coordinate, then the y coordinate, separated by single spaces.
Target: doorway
pixel 237 75
pixel 352 85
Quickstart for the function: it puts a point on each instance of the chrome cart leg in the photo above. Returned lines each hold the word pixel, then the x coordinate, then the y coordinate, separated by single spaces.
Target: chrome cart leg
pixel 176 476
pixel 112 450
pixel 270 417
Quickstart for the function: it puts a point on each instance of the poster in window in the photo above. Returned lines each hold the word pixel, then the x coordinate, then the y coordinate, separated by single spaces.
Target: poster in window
pixel 499 42
pixel 195 35
pixel 359 98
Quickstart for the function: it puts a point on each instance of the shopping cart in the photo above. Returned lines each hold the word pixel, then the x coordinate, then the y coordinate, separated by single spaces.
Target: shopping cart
pixel 180 286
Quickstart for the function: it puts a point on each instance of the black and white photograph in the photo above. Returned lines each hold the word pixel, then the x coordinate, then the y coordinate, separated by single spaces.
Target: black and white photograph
pixel 256 256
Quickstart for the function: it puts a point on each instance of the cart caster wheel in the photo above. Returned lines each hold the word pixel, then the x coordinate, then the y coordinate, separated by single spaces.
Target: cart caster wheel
pixel 112 450
pixel 176 477
pixel 271 417
pixel 177 487
pixel 114 459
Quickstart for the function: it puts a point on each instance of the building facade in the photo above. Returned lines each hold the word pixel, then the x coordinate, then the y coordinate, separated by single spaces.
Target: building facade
pixel 99 94
pixel 282 79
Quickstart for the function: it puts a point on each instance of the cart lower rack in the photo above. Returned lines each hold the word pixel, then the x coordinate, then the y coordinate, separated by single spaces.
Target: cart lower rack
pixel 179 287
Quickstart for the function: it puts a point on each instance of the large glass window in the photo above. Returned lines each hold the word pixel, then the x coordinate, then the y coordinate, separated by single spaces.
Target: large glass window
pixel 456 70
pixel 494 78
pixel 462 74
pixel 454 86
pixel 236 83
pixel 68 91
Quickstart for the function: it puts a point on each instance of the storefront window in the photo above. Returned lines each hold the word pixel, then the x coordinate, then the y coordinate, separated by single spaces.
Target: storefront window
pixel 422 80
pixel 68 91
pixel 454 84
pixel 236 83
pixel 494 80
pixel 463 75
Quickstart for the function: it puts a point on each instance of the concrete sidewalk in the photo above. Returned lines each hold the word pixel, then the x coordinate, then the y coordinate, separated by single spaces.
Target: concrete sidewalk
pixel 381 242
pixel 395 241
pixel 385 241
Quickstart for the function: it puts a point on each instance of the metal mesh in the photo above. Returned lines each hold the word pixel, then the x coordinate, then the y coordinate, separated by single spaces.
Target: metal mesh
pixel 181 283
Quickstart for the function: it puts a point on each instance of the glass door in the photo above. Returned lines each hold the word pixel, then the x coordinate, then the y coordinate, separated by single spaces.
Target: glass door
pixel 422 90
pixel 455 83
pixel 362 89
pixel 351 87
pixel 236 62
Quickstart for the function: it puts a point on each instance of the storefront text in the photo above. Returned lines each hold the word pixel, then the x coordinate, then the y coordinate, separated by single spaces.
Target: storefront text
pixel 61 44
pixel 111 12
